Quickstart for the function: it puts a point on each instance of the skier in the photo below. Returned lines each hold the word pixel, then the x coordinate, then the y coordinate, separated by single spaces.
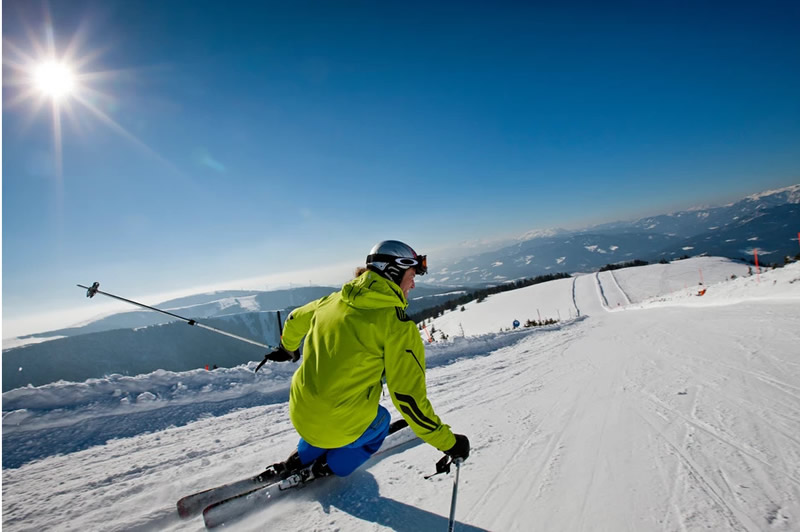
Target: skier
pixel 354 339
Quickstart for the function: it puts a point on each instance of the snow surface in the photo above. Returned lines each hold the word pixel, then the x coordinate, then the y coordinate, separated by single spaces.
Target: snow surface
pixel 9 343
pixel 616 288
pixel 653 408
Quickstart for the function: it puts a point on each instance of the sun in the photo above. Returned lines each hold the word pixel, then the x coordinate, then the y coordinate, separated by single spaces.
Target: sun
pixel 55 71
pixel 54 79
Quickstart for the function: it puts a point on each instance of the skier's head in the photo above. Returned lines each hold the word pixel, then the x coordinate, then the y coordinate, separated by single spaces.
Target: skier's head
pixel 392 258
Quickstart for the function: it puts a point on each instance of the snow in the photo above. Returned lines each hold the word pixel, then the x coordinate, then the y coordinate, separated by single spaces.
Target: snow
pixel 9 343
pixel 647 407
pixel 792 194
pixel 539 233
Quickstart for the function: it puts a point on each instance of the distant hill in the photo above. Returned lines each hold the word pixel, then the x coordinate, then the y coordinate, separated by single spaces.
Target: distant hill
pixel 773 231
pixel 173 346
pixel 198 306
pixel 768 221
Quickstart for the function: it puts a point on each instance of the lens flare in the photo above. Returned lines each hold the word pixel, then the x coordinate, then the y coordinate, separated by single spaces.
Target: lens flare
pixel 54 79
pixel 42 74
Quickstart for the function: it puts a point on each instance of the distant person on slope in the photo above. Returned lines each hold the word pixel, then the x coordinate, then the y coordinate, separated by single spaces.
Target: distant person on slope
pixel 353 339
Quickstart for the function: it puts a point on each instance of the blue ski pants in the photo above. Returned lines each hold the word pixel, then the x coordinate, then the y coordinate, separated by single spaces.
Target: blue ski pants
pixel 345 460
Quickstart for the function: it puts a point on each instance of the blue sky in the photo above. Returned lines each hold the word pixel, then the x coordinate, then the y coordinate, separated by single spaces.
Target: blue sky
pixel 214 141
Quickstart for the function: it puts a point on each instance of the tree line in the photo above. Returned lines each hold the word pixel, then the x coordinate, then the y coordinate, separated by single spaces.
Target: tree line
pixel 620 265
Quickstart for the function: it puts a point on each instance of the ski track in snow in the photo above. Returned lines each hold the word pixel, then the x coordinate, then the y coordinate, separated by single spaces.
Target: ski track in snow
pixel 667 411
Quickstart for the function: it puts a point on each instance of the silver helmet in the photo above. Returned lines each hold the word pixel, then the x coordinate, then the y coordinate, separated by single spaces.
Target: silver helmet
pixel 391 258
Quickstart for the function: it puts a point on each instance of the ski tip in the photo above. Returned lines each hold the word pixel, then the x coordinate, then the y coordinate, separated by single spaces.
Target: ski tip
pixel 208 517
pixel 184 512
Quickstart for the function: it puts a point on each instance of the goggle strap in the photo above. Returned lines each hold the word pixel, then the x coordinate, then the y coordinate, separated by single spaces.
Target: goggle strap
pixel 421 260
pixel 382 257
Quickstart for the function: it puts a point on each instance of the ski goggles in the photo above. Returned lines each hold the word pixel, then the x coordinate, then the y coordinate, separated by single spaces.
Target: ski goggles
pixel 419 263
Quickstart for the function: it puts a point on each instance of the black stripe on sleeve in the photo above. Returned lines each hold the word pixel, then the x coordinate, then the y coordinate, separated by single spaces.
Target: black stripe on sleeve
pixel 405 409
pixel 415 358
pixel 411 408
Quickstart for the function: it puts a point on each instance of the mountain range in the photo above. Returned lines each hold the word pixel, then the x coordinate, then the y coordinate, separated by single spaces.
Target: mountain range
pixel 768 222
pixel 139 341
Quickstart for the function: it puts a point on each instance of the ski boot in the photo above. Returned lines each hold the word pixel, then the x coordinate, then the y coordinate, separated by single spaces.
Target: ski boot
pixel 317 469
pixel 283 470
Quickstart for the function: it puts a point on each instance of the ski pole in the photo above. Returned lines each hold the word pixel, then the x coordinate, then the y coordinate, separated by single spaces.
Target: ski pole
pixel 95 289
pixel 451 526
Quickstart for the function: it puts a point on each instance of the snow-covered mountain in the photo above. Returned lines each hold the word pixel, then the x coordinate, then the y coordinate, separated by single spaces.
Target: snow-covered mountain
pixel 699 220
pixel 198 306
pixel 656 409
pixel 170 346
pixel 768 221
pixel 573 252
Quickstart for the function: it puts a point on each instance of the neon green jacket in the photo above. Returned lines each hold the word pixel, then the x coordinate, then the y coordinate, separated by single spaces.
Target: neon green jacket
pixel 352 339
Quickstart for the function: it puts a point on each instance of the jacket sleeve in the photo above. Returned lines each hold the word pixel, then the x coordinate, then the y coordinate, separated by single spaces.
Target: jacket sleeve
pixel 297 325
pixel 405 376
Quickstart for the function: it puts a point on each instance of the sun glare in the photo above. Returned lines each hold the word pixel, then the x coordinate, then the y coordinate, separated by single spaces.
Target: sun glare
pixel 42 74
pixel 54 79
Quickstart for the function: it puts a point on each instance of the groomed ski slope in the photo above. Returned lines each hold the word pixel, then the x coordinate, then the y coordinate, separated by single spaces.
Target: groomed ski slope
pixel 667 411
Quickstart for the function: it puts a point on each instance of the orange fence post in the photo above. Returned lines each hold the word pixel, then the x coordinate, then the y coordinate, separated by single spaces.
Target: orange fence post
pixel 430 338
pixel 758 270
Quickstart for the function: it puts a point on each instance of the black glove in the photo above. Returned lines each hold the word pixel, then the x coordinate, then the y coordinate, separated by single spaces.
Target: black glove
pixel 280 354
pixel 460 449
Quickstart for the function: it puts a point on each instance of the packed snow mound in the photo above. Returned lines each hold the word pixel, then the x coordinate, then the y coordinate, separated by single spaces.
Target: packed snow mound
pixel 63 403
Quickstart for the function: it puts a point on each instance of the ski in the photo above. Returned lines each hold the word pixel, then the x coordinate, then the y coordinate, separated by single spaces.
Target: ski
pixel 193 504
pixel 228 510
pixel 225 511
